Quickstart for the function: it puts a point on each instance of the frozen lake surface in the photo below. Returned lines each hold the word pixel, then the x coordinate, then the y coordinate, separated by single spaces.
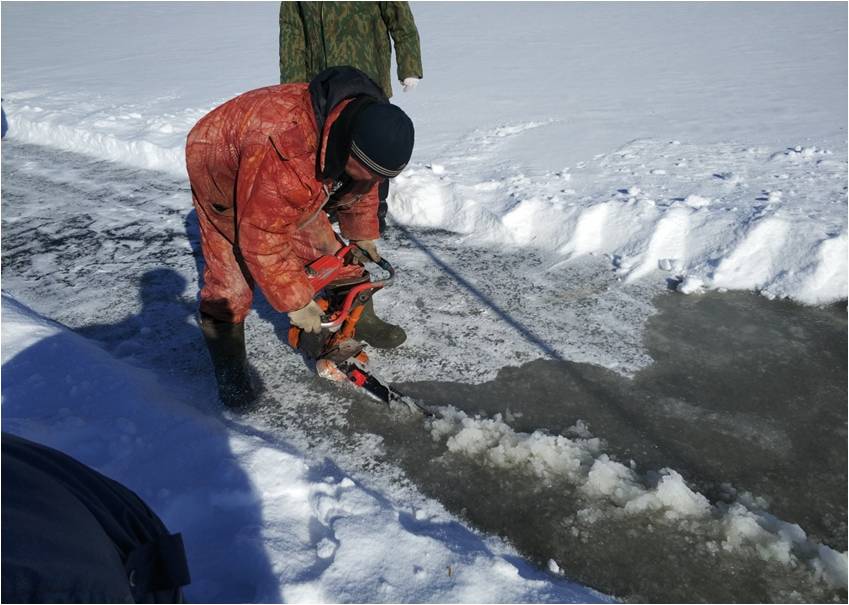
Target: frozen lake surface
pixel 742 397
pixel 572 159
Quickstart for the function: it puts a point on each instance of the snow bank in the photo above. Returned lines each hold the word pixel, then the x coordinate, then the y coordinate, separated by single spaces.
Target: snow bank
pixel 744 526
pixel 706 217
pixel 119 134
pixel 125 82
pixel 261 523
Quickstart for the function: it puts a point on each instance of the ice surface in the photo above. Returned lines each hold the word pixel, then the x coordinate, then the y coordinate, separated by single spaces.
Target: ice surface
pixel 547 203
pixel 494 301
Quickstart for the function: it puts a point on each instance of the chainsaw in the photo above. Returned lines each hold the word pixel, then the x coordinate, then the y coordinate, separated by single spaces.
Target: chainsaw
pixel 338 356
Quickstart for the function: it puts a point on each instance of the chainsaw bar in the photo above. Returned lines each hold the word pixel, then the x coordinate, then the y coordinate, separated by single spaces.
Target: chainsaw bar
pixel 360 376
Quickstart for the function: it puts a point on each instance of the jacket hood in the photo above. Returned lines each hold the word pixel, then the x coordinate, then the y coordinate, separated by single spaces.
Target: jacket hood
pixel 327 90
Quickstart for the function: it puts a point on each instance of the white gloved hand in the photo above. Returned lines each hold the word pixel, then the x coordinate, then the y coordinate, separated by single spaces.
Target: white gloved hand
pixel 307 318
pixel 369 246
pixel 410 83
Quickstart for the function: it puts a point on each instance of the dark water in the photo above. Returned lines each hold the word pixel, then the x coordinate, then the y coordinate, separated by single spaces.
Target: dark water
pixel 746 394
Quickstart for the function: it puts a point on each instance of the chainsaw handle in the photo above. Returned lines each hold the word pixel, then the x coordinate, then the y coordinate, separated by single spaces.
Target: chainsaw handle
pixel 356 290
pixel 386 266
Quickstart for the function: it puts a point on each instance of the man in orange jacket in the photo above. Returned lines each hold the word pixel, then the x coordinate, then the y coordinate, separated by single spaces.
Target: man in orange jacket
pixel 262 168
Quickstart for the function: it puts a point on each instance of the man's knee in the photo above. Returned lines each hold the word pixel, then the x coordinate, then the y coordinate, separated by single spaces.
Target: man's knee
pixel 227 292
pixel 231 309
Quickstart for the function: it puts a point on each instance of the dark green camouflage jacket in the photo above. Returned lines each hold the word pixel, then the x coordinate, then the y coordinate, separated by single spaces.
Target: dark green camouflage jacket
pixel 318 35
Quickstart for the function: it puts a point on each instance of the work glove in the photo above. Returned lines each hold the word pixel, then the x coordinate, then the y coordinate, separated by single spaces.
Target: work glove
pixel 410 83
pixel 307 318
pixel 369 247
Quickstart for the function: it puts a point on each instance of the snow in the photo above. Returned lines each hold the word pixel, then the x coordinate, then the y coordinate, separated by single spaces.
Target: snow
pixel 261 522
pixel 702 145
pixel 700 223
pixel 760 210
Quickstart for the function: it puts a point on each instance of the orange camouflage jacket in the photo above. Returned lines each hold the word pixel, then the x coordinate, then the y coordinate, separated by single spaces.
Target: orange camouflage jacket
pixel 254 172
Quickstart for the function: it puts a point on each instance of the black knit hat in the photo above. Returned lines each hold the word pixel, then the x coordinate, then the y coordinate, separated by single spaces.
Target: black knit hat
pixel 383 137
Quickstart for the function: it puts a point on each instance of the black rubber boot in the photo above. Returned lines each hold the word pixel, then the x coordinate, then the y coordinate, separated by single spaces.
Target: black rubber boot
pixel 226 344
pixel 376 332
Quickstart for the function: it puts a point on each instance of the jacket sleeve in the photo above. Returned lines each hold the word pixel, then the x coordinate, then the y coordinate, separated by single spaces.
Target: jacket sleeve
pixel 359 220
pixel 402 27
pixel 268 204
pixel 293 48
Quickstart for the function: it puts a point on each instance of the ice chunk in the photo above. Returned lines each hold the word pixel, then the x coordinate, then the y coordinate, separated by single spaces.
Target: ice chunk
pixel 691 285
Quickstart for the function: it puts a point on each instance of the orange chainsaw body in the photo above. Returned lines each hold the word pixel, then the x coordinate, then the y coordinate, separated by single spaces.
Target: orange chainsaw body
pixel 342 302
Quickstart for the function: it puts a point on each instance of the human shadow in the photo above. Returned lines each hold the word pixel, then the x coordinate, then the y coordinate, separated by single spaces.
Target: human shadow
pixel 133 396
pixel 163 337
pixel 68 394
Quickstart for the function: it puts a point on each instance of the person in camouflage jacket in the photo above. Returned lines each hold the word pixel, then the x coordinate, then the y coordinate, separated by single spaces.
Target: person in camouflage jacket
pixel 318 35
